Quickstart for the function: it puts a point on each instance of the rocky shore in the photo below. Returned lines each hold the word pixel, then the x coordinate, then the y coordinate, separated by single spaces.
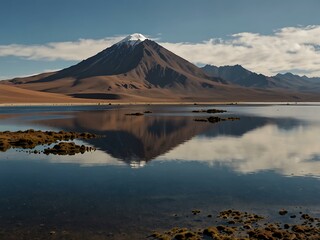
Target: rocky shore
pixel 237 225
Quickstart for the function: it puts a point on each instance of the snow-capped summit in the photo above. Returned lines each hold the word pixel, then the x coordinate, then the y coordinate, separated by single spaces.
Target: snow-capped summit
pixel 133 39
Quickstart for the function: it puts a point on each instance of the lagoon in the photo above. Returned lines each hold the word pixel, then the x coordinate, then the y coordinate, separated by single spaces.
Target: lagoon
pixel 149 172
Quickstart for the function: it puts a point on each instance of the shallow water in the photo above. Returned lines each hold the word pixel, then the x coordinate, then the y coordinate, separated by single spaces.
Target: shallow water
pixel 150 171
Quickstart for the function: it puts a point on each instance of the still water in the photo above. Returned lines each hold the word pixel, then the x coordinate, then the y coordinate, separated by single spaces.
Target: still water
pixel 149 172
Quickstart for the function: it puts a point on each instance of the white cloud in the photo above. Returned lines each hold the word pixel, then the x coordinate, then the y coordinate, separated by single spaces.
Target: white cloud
pixel 4 77
pixel 288 49
pixel 295 49
pixel 73 51
pixel 28 74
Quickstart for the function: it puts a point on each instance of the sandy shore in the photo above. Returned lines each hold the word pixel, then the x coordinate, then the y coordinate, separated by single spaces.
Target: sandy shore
pixel 111 103
pixel 106 103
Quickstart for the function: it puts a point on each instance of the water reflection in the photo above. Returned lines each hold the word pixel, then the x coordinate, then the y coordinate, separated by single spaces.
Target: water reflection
pixel 39 196
pixel 287 144
pixel 132 139
pixel 290 152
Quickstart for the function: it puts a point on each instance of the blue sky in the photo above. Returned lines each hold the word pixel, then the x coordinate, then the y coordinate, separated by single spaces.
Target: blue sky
pixel 37 23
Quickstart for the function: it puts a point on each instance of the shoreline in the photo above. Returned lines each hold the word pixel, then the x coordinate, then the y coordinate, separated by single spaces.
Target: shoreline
pixel 195 103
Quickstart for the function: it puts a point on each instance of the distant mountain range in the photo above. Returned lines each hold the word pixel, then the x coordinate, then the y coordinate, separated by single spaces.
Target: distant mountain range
pixel 242 77
pixel 139 69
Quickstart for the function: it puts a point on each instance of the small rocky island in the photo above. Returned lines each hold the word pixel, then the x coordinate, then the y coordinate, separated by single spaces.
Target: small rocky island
pixel 31 138
pixel 216 119
pixel 68 148
pixel 212 119
pixel 209 111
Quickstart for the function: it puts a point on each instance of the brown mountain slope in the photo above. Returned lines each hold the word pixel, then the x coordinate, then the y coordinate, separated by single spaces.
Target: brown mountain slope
pixel 12 94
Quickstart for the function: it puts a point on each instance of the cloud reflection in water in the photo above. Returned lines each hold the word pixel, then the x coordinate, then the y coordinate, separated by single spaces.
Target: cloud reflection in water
pixel 289 152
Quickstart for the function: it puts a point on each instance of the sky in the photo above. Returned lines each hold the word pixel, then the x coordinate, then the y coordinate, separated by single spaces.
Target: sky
pixel 264 36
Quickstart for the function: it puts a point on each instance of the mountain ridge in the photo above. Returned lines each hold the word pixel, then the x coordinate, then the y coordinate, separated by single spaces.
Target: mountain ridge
pixel 238 75
pixel 137 67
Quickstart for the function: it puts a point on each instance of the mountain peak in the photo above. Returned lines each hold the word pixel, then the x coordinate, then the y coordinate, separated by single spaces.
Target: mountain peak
pixel 133 39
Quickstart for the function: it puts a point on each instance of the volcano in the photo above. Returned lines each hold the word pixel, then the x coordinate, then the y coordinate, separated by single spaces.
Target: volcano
pixel 130 66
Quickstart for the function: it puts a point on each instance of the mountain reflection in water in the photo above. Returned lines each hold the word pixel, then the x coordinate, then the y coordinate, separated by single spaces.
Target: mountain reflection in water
pixel 287 145
pixel 132 139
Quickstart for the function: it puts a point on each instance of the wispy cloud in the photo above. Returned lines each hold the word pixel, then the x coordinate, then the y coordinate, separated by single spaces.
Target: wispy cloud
pixel 69 51
pixel 295 49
